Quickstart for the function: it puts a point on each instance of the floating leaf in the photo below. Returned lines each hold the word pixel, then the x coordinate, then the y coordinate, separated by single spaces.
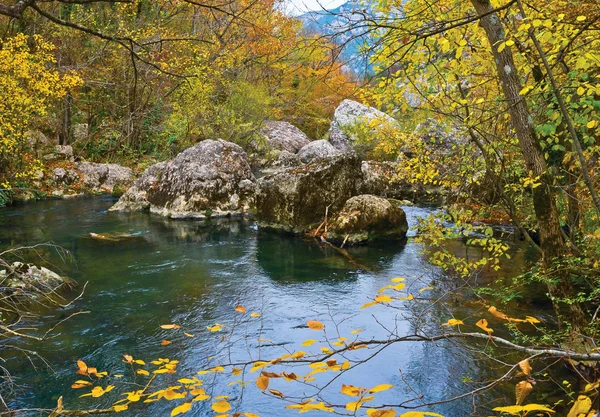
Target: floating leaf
pixel 383 299
pixel 142 372
pixel 188 334
pixel 128 358
pixel 165 342
pixel 236 371
pixel 170 326
pixel 309 342
pixel 216 328
pixel 240 309
pixel 81 384
pixel 255 314
pixel 119 408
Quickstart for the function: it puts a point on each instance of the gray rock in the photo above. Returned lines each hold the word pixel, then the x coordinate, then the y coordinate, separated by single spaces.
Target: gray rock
pixel 295 199
pixel 348 114
pixel 61 152
pixel 198 183
pixel 80 132
pixel 287 159
pixel 36 139
pixel 368 218
pixel 283 136
pixel 64 176
pixel 104 177
pixel 317 150
pixel 27 277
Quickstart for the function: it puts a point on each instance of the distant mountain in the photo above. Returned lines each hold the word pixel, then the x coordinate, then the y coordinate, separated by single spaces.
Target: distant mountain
pixel 344 26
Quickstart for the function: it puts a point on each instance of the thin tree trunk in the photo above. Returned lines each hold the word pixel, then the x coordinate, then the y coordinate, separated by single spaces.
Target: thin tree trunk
pixel 544 199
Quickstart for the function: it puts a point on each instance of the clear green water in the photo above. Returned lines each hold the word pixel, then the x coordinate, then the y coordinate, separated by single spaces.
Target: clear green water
pixel 195 273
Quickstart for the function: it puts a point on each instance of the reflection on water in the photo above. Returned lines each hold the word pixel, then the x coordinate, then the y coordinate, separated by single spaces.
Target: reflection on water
pixel 194 273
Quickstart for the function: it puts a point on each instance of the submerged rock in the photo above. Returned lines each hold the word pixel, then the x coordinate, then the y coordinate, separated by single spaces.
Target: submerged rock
pixel 212 178
pixel 295 199
pixel 284 136
pixel 367 218
pixel 349 114
pixel 317 150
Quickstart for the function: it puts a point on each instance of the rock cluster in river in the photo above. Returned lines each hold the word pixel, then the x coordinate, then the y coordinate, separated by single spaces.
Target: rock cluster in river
pixel 301 183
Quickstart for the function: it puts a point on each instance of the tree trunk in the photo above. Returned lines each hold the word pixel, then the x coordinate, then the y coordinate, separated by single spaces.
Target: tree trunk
pixel 544 199
pixel 65 126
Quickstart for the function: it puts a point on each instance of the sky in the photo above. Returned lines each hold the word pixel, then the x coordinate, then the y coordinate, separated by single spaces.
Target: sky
pixel 297 7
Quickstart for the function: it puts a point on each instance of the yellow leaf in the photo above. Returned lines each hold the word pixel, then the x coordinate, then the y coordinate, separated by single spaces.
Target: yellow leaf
pixel 398 279
pixel 298 355
pixel 379 388
pixel 453 322
pixel 255 314
pixel 525 366
pixel 139 362
pixel 582 406
pixel 188 334
pixel 258 365
pixel 483 324
pixel 351 390
pixel 201 397
pixel 381 413
pixel 240 309
pixel 383 299
pixel 522 390
pixel 197 391
pixel 165 342
pixel 277 393
pixel 262 382
pixel 236 371
pixel 315 325
pixel 221 406
pixel 119 408
pixel 308 342
pixel 183 408
pixel 128 358
pixel 250 415
pixel 592 124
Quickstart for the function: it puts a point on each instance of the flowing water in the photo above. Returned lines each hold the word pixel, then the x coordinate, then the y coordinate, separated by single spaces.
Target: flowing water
pixel 194 273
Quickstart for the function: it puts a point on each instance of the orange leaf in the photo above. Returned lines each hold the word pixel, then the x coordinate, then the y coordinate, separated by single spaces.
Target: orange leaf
pixel 315 325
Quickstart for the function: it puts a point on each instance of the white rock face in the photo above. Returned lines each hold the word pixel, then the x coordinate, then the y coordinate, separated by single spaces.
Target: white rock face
pixel 104 177
pixel 348 114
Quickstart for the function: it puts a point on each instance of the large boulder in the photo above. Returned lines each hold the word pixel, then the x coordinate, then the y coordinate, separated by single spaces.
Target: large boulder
pixel 104 177
pixel 212 178
pixel 295 199
pixel 347 116
pixel 61 153
pixel 367 218
pixel 283 136
pixel 317 150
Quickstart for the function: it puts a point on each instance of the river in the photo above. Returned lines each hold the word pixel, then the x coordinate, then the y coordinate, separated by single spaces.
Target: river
pixel 194 274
